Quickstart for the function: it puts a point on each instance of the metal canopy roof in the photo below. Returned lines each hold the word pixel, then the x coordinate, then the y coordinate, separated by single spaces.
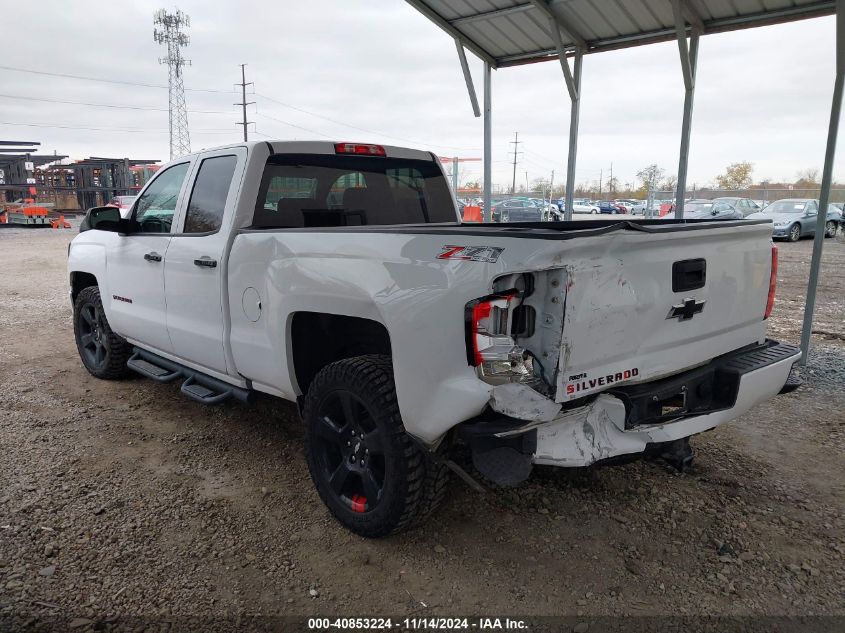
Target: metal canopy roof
pixel 513 32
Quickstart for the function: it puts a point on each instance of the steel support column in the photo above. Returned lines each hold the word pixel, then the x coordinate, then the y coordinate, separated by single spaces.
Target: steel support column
pixel 488 144
pixel 827 178
pixel 574 114
pixel 689 62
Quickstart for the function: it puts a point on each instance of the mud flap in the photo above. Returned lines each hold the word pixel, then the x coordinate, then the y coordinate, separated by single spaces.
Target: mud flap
pixel 504 461
pixel 504 466
pixel 677 454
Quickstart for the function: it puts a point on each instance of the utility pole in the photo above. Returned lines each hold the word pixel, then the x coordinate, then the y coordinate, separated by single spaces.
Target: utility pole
pixel 551 189
pixel 172 36
pixel 244 103
pixel 601 176
pixel 610 182
pixel 515 142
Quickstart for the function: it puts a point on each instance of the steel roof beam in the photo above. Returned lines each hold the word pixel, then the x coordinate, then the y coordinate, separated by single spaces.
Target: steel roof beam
pixel 451 30
pixel 563 23
pixel 491 14
pixel 473 98
pixel 664 34
pixel 692 15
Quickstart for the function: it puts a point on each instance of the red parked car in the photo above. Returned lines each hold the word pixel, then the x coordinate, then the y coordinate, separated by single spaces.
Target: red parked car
pixel 124 203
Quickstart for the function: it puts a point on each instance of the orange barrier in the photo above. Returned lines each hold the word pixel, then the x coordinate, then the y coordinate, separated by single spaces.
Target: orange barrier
pixel 60 223
pixel 472 214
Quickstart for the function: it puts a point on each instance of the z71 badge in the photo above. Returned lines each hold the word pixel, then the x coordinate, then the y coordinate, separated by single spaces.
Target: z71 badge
pixel 489 254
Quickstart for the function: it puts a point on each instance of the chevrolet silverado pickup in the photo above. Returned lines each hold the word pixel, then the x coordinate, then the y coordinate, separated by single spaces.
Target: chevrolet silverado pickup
pixel 338 276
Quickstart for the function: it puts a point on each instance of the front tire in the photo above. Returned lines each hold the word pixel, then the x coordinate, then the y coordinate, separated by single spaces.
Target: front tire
pixel 103 352
pixel 794 233
pixel 370 474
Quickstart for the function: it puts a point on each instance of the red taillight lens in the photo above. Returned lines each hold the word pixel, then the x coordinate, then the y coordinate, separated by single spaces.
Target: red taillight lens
pixel 480 312
pixel 773 283
pixel 487 319
pixel 359 148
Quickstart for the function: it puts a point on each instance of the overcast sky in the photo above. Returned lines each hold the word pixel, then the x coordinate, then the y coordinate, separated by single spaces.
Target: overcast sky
pixel 378 71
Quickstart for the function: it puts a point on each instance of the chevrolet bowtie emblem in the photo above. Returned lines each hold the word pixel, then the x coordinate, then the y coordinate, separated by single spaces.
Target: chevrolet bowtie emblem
pixel 686 310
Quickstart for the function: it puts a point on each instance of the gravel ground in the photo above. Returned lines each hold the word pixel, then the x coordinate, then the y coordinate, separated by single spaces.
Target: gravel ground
pixel 124 503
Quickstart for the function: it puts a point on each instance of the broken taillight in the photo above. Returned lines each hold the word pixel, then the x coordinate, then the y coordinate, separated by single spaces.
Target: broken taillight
pixel 490 347
pixel 773 283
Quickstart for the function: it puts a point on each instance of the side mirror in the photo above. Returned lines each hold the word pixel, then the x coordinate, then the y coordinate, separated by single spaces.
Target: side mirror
pixel 101 218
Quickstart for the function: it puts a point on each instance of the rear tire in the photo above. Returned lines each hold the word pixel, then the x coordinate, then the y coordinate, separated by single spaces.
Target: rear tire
pixel 370 474
pixel 830 229
pixel 103 352
pixel 794 233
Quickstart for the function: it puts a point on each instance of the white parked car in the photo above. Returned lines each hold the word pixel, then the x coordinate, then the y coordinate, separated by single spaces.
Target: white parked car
pixel 584 206
pixel 338 276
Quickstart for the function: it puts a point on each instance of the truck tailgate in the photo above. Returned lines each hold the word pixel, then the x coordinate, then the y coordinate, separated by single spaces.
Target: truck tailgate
pixel 653 304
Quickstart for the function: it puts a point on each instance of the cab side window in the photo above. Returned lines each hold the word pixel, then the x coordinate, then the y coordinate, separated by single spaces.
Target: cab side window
pixel 208 199
pixel 155 207
pixel 811 208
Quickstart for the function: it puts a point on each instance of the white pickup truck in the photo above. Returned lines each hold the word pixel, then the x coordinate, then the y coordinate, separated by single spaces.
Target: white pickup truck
pixel 337 275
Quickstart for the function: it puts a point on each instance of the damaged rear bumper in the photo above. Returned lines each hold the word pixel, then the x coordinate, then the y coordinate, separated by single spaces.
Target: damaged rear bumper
pixel 629 419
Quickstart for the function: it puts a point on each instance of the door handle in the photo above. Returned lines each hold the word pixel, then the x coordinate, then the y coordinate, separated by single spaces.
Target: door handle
pixel 152 257
pixel 205 262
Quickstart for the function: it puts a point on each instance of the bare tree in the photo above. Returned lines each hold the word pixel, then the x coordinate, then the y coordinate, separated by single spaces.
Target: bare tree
pixel 807 178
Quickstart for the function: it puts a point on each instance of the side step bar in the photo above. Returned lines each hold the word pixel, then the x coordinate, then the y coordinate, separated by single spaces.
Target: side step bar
pixel 197 386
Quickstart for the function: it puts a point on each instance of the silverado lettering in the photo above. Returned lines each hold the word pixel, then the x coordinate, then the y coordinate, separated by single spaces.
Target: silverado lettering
pixel 602 381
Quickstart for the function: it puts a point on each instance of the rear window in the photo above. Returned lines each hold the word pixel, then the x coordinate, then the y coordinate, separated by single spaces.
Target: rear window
pixel 304 190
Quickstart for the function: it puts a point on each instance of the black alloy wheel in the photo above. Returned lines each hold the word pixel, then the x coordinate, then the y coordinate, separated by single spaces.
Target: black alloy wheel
pixel 349 448
pixel 371 475
pixel 103 352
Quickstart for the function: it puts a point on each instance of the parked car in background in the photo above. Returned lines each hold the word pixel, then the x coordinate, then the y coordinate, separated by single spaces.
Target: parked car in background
pixel 606 206
pixel 834 214
pixel 634 207
pixel 124 203
pixel 517 210
pixel 584 206
pixel 545 206
pixel 745 206
pixel 794 218
pixel 708 209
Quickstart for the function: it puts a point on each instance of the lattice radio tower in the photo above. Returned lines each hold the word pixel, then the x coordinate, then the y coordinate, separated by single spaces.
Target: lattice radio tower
pixel 169 31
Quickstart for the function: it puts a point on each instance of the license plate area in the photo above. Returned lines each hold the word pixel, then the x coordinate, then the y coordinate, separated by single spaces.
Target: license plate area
pixel 692 393
pixel 706 389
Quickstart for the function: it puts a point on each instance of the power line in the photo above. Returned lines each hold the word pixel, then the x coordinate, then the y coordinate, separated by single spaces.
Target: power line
pixel 109 105
pixel 106 129
pixel 299 127
pixel 107 81
pixel 215 91
pixel 360 129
